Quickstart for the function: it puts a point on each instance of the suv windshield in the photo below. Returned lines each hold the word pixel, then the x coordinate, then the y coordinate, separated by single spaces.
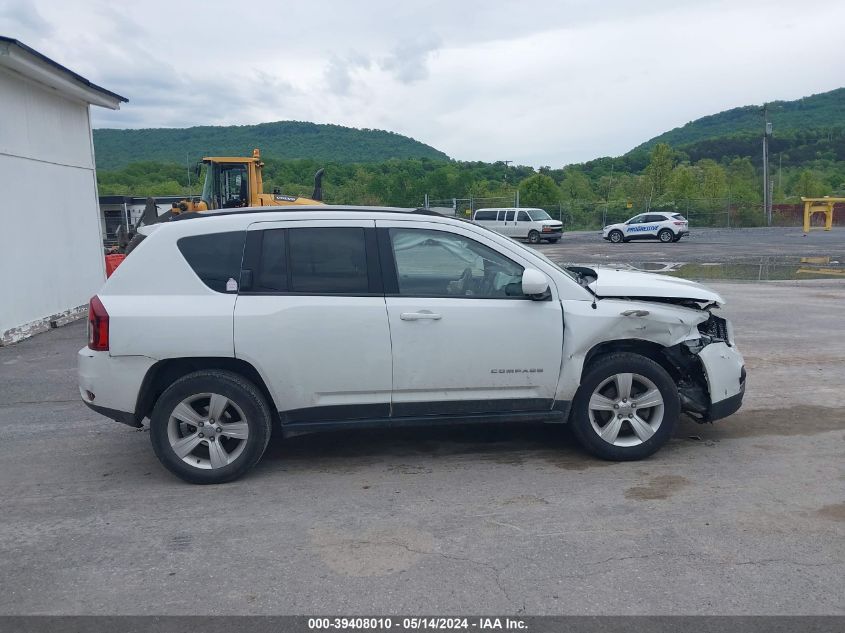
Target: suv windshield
pixel 539 214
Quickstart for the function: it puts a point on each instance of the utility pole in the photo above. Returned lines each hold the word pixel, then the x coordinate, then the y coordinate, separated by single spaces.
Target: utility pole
pixel 607 196
pixel 767 191
pixel 505 175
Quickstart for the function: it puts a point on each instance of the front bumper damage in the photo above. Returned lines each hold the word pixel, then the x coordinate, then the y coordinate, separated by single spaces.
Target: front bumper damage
pixel 710 372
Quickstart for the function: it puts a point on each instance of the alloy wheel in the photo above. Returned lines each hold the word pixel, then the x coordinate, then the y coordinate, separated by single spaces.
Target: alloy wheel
pixel 207 430
pixel 626 409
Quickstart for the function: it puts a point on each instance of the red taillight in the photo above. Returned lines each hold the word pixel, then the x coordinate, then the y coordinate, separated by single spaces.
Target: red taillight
pixel 678 223
pixel 98 325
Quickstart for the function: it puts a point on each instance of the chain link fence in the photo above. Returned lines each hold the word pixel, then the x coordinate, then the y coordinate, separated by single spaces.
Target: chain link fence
pixel 586 215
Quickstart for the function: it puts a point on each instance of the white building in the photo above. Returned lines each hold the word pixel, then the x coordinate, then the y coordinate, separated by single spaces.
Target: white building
pixel 51 253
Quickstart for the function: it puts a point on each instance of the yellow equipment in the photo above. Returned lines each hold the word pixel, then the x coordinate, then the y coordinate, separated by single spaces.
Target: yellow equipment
pixel 233 182
pixel 819 205
pixel 230 183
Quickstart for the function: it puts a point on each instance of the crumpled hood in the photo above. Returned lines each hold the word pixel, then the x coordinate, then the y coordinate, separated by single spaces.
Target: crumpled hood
pixel 612 282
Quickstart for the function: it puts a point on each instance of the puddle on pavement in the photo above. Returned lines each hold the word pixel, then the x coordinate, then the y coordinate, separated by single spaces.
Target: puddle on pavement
pixel 750 269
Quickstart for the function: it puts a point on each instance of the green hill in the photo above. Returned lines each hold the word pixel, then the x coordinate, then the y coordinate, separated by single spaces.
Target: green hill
pixel 115 149
pixel 823 110
pixel 804 130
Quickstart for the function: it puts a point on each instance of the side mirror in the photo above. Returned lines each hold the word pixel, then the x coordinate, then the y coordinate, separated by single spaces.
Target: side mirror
pixel 534 284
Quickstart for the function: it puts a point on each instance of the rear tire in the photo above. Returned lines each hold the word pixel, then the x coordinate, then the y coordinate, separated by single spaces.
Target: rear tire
pixel 666 236
pixel 533 237
pixel 200 449
pixel 625 431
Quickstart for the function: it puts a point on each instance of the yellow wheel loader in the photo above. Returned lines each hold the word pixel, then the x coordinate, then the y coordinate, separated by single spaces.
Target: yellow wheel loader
pixel 230 183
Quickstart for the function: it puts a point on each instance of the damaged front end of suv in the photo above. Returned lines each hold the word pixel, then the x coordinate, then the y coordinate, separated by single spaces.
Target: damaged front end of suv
pixel 667 319
pixel 705 369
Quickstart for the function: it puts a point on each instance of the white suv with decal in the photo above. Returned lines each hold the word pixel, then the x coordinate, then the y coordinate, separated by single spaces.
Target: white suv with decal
pixel 664 226
pixel 221 326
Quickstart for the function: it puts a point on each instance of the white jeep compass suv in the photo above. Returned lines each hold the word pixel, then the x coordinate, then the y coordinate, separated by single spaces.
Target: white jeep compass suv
pixel 224 325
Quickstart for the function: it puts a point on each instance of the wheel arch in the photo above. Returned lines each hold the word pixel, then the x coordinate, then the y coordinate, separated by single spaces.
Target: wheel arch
pixel 649 349
pixel 165 372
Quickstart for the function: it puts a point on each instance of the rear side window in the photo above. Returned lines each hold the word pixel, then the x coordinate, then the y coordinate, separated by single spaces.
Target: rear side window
pixel 273 262
pixel 485 215
pixel 312 261
pixel 655 218
pixel 215 257
pixel 328 260
pixel 509 216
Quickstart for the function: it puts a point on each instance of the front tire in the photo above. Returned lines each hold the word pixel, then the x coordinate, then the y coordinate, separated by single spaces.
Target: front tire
pixel 626 408
pixel 533 237
pixel 616 237
pixel 666 236
pixel 210 427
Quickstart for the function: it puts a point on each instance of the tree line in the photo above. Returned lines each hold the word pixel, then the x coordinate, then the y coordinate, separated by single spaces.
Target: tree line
pixel 668 179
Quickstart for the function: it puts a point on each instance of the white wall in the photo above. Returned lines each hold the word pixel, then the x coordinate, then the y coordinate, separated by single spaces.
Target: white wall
pixel 51 256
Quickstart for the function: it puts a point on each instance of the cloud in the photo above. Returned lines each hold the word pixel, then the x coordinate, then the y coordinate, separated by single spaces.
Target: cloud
pixel 21 20
pixel 409 60
pixel 534 81
pixel 340 69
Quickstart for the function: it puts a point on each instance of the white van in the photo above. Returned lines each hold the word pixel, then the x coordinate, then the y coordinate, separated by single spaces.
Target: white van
pixel 533 225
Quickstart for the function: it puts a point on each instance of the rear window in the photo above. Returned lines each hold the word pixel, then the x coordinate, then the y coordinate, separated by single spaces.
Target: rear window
pixel 313 261
pixel 273 262
pixel 328 260
pixel 215 257
pixel 485 215
pixel 678 216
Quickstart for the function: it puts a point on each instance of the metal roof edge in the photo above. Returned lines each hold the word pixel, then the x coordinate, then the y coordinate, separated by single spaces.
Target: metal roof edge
pixel 76 77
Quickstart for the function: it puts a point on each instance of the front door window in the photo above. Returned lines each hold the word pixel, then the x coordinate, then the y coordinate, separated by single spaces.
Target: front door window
pixel 440 264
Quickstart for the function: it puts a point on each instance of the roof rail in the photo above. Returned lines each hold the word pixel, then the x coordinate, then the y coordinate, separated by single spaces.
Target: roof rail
pixel 295 208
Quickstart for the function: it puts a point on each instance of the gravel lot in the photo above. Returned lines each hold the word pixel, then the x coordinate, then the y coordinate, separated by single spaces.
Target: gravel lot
pixel 746 516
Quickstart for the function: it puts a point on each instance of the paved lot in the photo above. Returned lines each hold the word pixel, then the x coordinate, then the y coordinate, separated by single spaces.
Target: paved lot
pixel 746 516
pixel 703 245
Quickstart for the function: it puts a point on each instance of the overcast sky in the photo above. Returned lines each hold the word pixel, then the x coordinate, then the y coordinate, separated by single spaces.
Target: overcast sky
pixel 537 82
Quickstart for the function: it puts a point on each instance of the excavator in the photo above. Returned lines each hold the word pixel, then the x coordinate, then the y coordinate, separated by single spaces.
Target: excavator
pixel 230 183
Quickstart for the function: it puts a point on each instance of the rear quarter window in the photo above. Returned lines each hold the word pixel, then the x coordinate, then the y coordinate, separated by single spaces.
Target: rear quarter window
pixel 485 215
pixel 678 216
pixel 214 257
